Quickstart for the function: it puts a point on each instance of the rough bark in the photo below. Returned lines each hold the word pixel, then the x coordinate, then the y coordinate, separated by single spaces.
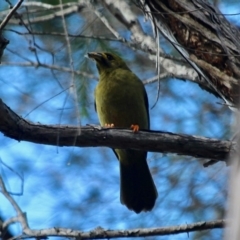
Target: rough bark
pixel 13 126
pixel 205 38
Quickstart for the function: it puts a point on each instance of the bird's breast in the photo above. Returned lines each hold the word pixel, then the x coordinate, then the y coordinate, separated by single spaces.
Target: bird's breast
pixel 121 103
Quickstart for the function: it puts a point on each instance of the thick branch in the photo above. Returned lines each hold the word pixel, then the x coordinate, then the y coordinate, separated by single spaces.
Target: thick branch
pixel 198 29
pixel 15 127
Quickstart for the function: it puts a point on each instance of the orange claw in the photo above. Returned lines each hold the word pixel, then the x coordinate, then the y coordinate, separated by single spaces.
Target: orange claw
pixel 135 127
pixel 109 125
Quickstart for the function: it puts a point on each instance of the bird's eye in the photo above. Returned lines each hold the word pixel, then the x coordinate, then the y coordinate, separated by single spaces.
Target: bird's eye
pixel 109 57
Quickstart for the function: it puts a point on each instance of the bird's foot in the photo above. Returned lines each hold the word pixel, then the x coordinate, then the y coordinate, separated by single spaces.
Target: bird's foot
pixel 135 127
pixel 109 125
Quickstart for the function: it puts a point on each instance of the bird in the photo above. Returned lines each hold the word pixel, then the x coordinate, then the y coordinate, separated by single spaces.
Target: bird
pixel 121 101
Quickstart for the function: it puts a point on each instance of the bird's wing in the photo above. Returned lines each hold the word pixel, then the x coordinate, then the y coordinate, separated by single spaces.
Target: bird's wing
pixel 95 106
pixel 146 106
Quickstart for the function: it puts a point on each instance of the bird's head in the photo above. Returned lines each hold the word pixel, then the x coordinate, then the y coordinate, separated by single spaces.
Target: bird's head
pixel 107 62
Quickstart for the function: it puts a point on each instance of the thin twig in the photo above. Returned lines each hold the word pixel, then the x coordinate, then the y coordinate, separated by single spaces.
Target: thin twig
pixel 52 67
pixel 21 216
pixel 10 14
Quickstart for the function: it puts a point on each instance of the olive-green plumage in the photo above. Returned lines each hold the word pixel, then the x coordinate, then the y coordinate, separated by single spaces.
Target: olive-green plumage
pixel 121 99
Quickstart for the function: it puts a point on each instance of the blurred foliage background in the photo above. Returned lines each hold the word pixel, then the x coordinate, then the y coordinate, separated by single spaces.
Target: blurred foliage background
pixel 46 78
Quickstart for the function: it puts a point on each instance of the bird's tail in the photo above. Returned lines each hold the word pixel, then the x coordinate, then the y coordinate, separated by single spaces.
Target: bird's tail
pixel 138 191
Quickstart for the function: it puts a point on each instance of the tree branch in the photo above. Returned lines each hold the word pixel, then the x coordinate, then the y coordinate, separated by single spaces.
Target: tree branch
pixel 100 233
pixel 9 15
pixel 13 126
pixel 48 66
pixel 177 67
pixel 197 28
